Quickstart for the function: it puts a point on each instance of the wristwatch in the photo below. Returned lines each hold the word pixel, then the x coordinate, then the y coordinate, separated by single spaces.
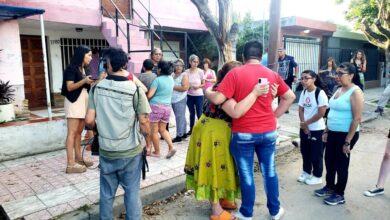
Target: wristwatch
pixel 346 143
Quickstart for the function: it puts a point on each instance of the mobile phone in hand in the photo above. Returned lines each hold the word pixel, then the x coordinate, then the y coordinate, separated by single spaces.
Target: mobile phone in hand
pixel 263 81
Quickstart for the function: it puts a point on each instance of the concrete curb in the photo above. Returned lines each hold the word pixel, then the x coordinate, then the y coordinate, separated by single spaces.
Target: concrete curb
pixel 151 193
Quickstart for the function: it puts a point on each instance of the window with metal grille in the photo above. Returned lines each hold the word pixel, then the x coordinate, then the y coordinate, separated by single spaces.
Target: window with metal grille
pixel 68 45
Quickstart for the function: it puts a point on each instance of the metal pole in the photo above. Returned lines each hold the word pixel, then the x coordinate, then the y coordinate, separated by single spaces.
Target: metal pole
pixel 48 100
pixel 274 34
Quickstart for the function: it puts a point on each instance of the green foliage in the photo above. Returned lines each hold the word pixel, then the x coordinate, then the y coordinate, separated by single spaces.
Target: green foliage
pixel 250 30
pixel 362 9
pixel 205 44
pixel 6 93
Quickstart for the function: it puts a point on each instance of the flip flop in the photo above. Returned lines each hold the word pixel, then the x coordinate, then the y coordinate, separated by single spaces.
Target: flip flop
pixel 226 204
pixel 223 216
pixel 170 153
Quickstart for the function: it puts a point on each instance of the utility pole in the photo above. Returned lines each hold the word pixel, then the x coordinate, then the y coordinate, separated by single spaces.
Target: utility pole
pixel 274 33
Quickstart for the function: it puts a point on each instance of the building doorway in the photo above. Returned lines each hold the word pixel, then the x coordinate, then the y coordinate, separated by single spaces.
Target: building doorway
pixel 33 71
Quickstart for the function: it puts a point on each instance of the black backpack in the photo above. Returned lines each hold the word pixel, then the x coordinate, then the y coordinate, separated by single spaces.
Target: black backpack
pixel 317 93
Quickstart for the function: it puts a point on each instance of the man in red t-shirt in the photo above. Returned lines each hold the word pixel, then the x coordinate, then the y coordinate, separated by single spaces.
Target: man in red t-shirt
pixel 256 130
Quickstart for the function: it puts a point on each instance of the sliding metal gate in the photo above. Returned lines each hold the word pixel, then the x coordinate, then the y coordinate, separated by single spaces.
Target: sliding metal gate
pixel 306 52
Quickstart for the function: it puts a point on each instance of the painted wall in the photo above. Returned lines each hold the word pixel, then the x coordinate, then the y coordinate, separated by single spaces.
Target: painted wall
pixel 54 50
pixel 11 67
pixel 85 12
pixel 24 140
pixel 178 13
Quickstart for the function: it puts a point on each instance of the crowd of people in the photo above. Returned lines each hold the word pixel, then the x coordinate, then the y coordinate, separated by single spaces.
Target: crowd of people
pixel 235 121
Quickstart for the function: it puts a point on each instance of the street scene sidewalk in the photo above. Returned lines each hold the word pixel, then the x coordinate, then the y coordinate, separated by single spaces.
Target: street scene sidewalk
pixel 37 187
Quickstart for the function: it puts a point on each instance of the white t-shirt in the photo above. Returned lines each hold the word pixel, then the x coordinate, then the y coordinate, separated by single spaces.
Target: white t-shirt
pixel 308 101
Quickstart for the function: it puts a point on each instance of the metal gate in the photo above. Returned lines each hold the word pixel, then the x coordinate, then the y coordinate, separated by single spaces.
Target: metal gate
pixel 68 45
pixel 306 52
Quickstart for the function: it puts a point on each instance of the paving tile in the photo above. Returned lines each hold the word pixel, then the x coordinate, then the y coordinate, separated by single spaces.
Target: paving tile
pixel 174 162
pixel 156 169
pixel 18 162
pixel 75 204
pixel 41 215
pixel 60 196
pixel 89 188
pixel 22 207
pixel 23 194
pixel 6 198
pixel 60 209
pixel 2 166
pixel 94 198
pixel 50 155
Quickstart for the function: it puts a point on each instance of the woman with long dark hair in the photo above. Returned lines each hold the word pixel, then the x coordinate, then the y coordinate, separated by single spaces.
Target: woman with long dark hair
pixel 360 62
pixel 76 82
pixel 313 103
pixel 342 133
pixel 328 74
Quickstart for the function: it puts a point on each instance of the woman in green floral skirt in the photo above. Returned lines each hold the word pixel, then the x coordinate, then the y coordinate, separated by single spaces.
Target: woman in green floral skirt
pixel 209 165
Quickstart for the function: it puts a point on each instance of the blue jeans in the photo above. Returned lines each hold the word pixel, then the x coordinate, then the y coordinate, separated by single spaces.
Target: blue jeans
pixel 194 103
pixel 179 108
pixel 127 172
pixel 242 147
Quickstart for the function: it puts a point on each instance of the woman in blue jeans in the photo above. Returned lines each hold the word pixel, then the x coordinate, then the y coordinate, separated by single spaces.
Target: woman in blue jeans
pixel 195 92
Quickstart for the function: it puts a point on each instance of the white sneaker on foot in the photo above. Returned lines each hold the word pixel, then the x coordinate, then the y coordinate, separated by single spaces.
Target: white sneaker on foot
pixel 303 177
pixel 240 216
pixel 313 180
pixel 279 215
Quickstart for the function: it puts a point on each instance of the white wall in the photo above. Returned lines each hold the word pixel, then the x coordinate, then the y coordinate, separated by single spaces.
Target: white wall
pixel 11 66
pixel 54 49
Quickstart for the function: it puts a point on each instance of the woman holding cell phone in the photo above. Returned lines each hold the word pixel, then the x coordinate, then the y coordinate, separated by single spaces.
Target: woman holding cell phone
pixel 75 85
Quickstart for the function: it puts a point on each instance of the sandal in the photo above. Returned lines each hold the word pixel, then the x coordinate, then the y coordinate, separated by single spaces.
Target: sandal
pixel 170 153
pixel 88 162
pixel 226 204
pixel 223 216
pixel 76 168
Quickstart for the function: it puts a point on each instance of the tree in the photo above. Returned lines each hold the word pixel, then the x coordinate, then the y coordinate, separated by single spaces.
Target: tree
pixel 373 18
pixel 225 32
pixel 250 30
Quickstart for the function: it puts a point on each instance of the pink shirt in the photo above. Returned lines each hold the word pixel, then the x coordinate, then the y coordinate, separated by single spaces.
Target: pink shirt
pixel 195 79
pixel 210 74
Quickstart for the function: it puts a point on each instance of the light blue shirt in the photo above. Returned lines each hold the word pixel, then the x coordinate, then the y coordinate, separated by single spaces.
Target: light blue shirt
pixel 164 90
pixel 340 114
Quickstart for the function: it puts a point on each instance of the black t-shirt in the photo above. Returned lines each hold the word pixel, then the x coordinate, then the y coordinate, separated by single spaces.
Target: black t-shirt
pixel 286 67
pixel 72 73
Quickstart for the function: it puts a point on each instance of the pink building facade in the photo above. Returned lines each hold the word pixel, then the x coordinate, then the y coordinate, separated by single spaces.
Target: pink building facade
pixel 71 23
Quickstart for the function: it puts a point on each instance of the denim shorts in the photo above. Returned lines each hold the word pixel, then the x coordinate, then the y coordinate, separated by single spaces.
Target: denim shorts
pixel 160 113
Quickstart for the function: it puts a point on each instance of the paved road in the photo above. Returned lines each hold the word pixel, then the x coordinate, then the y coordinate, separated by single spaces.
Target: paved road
pixel 298 199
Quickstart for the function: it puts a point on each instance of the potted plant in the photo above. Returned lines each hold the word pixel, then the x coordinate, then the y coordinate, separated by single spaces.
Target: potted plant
pixel 7 111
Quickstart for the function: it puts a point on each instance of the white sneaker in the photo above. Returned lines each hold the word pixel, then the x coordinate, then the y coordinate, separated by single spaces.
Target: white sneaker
pixel 303 177
pixel 238 215
pixel 313 180
pixel 279 215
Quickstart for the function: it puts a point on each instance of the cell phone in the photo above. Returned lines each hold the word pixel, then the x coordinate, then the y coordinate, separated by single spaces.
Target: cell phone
pixel 94 77
pixel 263 81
